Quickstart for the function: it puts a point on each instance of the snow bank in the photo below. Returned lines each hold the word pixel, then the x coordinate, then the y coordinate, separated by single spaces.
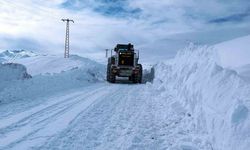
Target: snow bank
pixel 45 85
pixel 234 53
pixel 12 71
pixel 217 98
pixel 244 72
pixel 43 64
pixel 51 75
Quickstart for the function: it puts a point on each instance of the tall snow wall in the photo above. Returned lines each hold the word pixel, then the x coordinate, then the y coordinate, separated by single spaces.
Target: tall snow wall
pixel 217 98
pixel 12 71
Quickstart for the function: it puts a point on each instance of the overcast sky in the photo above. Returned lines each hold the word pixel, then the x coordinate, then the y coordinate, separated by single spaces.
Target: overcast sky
pixel 165 25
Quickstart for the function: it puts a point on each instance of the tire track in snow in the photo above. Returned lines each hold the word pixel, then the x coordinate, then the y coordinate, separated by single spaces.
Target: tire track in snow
pixel 7 121
pixel 41 120
pixel 123 120
pixel 115 116
pixel 88 129
pixel 140 132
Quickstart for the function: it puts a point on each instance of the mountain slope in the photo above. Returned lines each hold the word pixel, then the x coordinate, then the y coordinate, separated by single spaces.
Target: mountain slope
pixel 11 55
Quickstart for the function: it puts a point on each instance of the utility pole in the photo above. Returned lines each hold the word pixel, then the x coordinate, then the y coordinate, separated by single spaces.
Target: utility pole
pixel 66 53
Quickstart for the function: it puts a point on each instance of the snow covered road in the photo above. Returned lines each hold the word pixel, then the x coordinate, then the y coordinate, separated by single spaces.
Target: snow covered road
pixel 101 116
pixel 38 123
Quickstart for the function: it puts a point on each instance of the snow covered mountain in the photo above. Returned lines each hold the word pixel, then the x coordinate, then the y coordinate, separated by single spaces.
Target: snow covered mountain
pixel 11 55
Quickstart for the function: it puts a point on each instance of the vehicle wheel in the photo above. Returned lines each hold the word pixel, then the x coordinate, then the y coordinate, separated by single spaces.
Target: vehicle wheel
pixel 108 72
pixel 134 79
pixel 112 78
pixel 140 74
pixel 138 78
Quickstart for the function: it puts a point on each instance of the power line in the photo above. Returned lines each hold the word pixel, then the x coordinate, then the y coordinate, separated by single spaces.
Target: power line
pixel 66 52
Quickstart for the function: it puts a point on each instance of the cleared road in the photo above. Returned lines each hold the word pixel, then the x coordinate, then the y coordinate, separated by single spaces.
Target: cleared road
pixel 99 116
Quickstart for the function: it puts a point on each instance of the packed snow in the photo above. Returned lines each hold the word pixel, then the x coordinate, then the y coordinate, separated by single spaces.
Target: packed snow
pixel 196 101
pixel 216 98
pixel 50 74
pixel 11 71
pixel 244 72
pixel 43 64
pixel 234 53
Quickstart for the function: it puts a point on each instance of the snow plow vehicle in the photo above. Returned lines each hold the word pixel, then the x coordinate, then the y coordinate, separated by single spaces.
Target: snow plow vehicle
pixel 124 63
